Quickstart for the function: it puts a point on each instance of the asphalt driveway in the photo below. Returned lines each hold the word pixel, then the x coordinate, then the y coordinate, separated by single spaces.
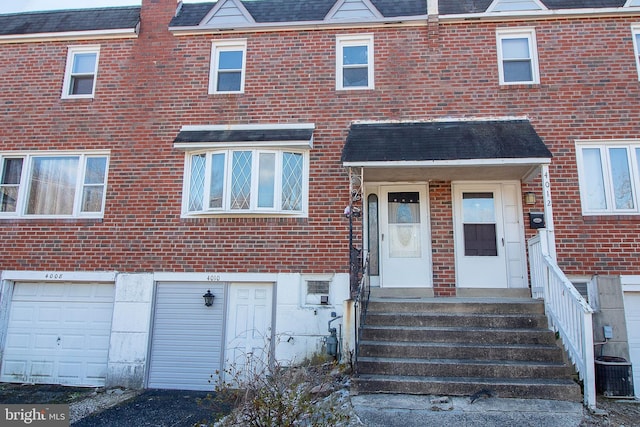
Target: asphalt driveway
pixel 158 408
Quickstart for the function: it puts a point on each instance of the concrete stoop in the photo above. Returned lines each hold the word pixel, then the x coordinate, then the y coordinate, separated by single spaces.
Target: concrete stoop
pixel 460 347
pixel 425 411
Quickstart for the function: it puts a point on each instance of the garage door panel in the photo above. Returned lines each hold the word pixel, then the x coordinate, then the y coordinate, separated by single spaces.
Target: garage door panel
pixel 186 345
pixel 632 314
pixel 56 330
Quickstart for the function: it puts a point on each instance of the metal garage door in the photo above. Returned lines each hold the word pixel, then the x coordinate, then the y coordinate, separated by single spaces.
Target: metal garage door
pixel 58 333
pixel 186 345
pixel 632 314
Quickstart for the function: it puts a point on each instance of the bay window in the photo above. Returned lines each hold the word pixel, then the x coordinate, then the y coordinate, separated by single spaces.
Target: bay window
pixel 246 181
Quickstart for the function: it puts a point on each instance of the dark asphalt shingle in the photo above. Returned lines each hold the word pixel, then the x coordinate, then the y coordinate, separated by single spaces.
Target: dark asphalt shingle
pixel 254 135
pixel 418 141
pixel 111 18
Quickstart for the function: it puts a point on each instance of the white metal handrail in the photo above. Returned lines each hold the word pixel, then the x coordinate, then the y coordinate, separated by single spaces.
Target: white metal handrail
pixel 568 313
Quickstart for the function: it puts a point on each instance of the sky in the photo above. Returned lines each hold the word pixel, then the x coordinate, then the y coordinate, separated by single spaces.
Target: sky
pixel 13 6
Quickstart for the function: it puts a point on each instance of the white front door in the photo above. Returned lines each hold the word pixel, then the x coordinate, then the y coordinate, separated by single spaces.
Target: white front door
pixel 479 236
pixel 248 337
pixel 489 235
pixel 405 247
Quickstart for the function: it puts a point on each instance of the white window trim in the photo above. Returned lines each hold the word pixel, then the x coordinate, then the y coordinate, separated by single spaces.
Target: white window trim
pixel 604 146
pixel 66 86
pixel 635 31
pixel 226 45
pixel 307 300
pixel 253 211
pixel 530 35
pixel 23 189
pixel 355 40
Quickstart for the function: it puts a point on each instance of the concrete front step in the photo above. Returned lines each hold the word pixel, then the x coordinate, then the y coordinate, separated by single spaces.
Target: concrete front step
pixel 527 388
pixel 456 305
pixel 444 350
pixel 458 335
pixel 462 368
pixel 477 320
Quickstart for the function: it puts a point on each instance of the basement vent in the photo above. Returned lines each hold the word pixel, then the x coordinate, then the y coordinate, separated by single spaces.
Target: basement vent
pixel 318 292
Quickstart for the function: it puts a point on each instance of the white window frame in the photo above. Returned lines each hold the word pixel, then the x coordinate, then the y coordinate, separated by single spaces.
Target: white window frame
pixel 253 210
pixel 314 300
pixel 635 34
pixel 354 40
pixel 226 46
pixel 68 75
pixel 24 186
pixel 519 33
pixel 632 159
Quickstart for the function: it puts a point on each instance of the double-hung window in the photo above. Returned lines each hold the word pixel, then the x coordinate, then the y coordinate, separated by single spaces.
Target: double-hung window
pixel 53 185
pixel 354 62
pixel 81 72
pixel 517 56
pixel 228 61
pixel 246 180
pixel 609 176
pixel 635 33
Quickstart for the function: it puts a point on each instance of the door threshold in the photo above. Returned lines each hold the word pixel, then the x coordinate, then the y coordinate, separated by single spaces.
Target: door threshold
pixel 402 292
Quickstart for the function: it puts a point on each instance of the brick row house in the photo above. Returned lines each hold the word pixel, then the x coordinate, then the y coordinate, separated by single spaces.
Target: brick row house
pixel 154 154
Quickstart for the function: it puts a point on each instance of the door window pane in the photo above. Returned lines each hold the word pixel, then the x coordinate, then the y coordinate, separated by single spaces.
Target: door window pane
pixel 404 225
pixel 478 207
pixel 480 240
pixel 479 224
pixel 373 232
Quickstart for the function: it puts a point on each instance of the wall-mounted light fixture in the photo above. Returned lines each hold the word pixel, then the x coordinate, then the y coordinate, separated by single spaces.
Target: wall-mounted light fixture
pixel 530 198
pixel 208 298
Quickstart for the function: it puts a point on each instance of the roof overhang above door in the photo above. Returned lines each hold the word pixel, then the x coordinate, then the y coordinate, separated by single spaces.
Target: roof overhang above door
pixel 445 150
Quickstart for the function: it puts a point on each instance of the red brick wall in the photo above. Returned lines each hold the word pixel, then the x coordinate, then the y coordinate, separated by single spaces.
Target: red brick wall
pixel 148 88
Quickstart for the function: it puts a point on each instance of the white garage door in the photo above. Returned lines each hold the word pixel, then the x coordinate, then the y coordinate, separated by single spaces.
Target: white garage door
pixel 58 333
pixel 186 345
pixel 632 314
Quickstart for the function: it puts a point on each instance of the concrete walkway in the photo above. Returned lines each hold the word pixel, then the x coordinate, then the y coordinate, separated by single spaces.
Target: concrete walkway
pixel 388 410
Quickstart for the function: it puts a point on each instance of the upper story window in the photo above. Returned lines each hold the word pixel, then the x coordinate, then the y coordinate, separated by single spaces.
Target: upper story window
pixel 354 62
pixel 635 32
pixel 81 72
pixel 609 180
pixel 245 180
pixel 53 185
pixel 228 60
pixel 517 56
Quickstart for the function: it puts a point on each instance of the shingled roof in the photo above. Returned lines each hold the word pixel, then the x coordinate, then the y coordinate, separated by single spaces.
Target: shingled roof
pixel 433 141
pixel 64 21
pixel 455 7
pixel 273 11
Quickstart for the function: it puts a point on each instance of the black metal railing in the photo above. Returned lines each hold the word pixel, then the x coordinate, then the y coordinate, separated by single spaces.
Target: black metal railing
pixel 361 303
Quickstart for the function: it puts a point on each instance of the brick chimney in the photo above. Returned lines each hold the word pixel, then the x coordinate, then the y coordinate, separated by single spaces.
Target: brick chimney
pixel 155 16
